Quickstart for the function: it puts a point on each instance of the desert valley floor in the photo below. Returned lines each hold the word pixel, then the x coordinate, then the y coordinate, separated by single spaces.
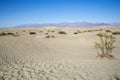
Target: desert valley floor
pixel 55 54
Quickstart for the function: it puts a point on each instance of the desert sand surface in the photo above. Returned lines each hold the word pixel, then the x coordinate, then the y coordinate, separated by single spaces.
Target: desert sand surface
pixel 55 54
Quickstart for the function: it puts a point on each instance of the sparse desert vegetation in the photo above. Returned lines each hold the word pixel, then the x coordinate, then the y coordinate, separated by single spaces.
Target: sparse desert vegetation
pixel 32 33
pixel 3 34
pixel 9 33
pixel 93 30
pixel 79 31
pixel 53 31
pixel 75 32
pixel 108 31
pixel 49 55
pixel 59 39
pixel 23 30
pixel 50 36
pixel 106 44
pixel 46 33
pixel 53 36
pixel 116 33
pixel 62 32
pixel 40 31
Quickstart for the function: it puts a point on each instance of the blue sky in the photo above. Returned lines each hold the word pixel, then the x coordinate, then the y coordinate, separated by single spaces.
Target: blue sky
pixel 17 12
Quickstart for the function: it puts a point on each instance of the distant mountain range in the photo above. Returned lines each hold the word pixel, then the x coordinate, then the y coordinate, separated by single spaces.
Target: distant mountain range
pixel 71 25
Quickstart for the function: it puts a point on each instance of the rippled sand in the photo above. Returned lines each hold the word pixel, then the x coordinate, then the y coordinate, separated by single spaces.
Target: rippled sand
pixel 70 56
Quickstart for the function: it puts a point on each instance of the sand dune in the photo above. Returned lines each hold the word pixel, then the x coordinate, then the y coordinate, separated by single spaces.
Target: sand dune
pixel 46 54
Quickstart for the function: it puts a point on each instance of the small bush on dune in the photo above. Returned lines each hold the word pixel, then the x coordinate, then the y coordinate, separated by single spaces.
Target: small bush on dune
pixel 96 30
pixel 46 33
pixel 23 30
pixel 9 33
pixel 62 32
pixel 75 33
pixel 32 33
pixel 53 36
pixel 52 31
pixel 105 46
pixel 3 34
pixel 116 33
pixel 84 31
pixel 16 35
pixel 48 36
pixel 108 31
pixel 40 31
pixel 89 30
pixel 79 31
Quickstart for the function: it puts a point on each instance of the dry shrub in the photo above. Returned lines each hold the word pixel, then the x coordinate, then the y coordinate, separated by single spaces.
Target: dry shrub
pixel 3 34
pixel 52 31
pixel 48 36
pixel 75 32
pixel 93 30
pixel 23 30
pixel 78 31
pixel 32 33
pixel 105 45
pixel 46 33
pixel 16 35
pixel 116 33
pixel 108 31
pixel 84 31
pixel 53 36
pixel 9 33
pixel 40 31
pixel 62 32
pixel 89 30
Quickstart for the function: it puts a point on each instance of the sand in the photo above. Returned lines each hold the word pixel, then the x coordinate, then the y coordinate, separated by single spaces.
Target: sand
pixel 35 56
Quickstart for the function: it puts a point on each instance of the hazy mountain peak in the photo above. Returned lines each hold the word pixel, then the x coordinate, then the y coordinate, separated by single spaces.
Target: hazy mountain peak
pixel 72 25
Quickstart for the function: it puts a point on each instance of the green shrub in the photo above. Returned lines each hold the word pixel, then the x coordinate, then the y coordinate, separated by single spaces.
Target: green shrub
pixel 105 46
